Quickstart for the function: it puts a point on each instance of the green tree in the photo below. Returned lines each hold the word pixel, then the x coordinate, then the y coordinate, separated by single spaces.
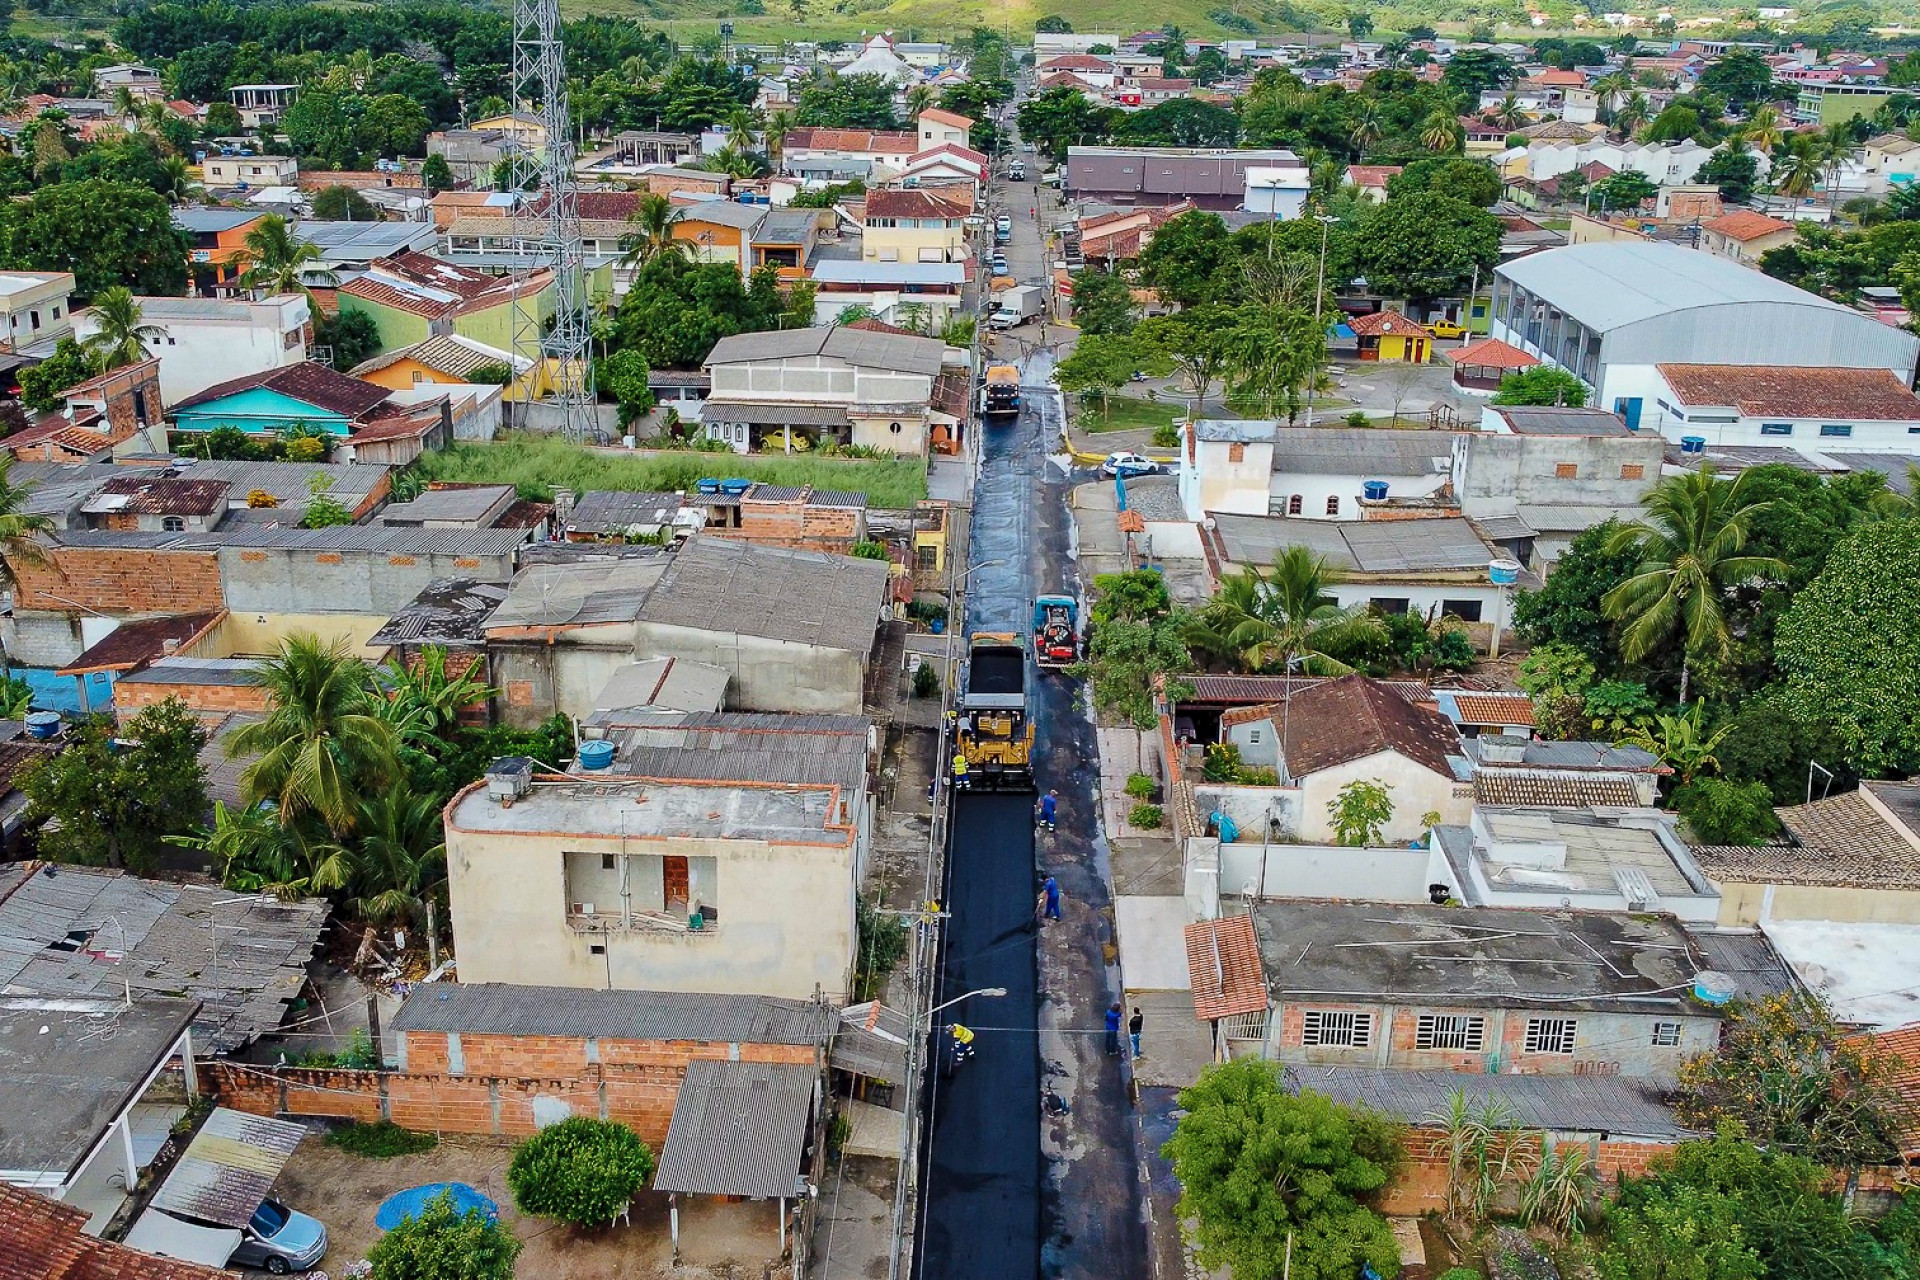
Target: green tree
pixel 112 805
pixel 1274 355
pixel 1258 1164
pixel 349 337
pixel 123 333
pixel 1473 71
pixel 1427 245
pixel 436 174
pixel 42 386
pixel 1053 23
pixel 676 309
pixel 1689 544
pixel 1194 343
pixel 1733 169
pixel 343 204
pixel 392 126
pixel 1849 645
pixel 1137 639
pixel 847 102
pixel 278 261
pixel 1181 122
pixel 1688 1235
pixel 1474 181
pixel 1719 811
pixel 107 234
pixel 1184 260
pixel 1099 366
pixel 580 1171
pixel 323 742
pixel 320 126
pixel 1740 76
pixel 1058 118
pixel 223 120
pixel 1567 609
pixel 1282 617
pixel 440 1244
pixel 1542 385
pixel 1102 303
pixel 623 375
pixel 1623 191
pixel 1360 812
pixel 1681 742
pixel 399 855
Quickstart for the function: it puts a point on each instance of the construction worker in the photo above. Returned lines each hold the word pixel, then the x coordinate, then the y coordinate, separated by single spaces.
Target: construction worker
pixel 962 1042
pixel 959 769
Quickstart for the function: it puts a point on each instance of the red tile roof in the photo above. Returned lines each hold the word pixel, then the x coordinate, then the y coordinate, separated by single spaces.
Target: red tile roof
pixel 41 1239
pixel 1063 79
pixel 1382 322
pixel 134 644
pixel 1902 1044
pixel 1371 175
pixel 1224 969
pixel 918 202
pixel 938 116
pixel 1873 395
pixel 1353 717
pixel 1746 224
pixel 1077 62
pixel 163 496
pixel 1491 353
pixel 1131 521
pixel 1160 84
pixel 888 142
pixel 309 381
pixel 950 148
pixel 1494 708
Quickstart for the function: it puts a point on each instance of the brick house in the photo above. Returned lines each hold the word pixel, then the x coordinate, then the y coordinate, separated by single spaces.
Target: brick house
pixel 111 409
pixel 157 504
pixel 1480 989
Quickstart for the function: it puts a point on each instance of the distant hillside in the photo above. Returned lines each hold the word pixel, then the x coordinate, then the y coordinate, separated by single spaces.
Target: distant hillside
pixel 937 19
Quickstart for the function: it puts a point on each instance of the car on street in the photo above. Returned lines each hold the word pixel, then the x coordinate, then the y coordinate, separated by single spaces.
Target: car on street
pixel 999 265
pixel 1447 329
pixel 1003 224
pixel 1127 465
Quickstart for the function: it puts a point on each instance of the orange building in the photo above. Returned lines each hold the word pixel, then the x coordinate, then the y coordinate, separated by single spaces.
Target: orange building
pixel 219 252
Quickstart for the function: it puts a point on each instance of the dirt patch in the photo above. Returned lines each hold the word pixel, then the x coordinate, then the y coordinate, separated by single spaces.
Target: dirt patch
pixel 716 1238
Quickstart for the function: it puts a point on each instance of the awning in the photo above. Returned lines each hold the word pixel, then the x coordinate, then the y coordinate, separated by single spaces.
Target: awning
pixel 229 1167
pixel 769 413
pixel 871 1040
pixel 161 1233
pixel 739 1129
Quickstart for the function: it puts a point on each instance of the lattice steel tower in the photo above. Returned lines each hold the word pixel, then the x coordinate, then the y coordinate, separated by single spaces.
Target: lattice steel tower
pixel 540 92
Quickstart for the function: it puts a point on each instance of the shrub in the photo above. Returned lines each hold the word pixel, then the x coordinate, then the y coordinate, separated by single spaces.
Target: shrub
pixel 580 1171
pixel 870 550
pixel 440 1244
pixel 1166 436
pixel 381 1140
pixel 1459 1273
pixel 1139 786
pixel 925 682
pixel 306 449
pixel 1147 817
pixel 1719 811
pixel 1358 419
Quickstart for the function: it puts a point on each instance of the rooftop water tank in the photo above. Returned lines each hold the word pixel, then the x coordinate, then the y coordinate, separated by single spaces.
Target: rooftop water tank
pixel 1374 490
pixel 595 756
pixel 1693 444
pixel 509 778
pixel 709 486
pixel 43 724
pixel 1710 986
pixel 735 485
pixel 1503 572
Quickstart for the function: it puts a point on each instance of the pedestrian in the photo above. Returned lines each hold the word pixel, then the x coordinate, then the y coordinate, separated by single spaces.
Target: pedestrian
pixel 1113 1031
pixel 1133 1029
pixel 1050 899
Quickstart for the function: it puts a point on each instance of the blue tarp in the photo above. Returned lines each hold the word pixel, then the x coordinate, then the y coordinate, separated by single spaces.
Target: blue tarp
pixel 52 692
pixel 403 1205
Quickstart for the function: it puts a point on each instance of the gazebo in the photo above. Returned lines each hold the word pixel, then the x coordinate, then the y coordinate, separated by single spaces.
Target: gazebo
pixel 1480 367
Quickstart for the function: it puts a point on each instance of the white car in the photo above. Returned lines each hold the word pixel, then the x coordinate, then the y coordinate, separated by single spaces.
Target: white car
pixel 1003 224
pixel 1128 465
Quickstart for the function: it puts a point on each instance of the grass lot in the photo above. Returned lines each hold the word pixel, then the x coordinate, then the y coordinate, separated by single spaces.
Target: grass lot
pixel 537 464
pixel 1128 413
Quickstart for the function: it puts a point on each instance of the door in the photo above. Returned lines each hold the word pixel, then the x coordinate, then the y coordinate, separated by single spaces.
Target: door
pixel 674 882
pixel 1629 409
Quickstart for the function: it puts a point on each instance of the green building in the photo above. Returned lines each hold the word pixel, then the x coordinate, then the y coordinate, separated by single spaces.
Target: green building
pixel 412 297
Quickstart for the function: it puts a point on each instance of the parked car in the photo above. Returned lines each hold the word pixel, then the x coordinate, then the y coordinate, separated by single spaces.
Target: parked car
pixel 281 1240
pixel 1447 329
pixel 1003 225
pixel 1129 465
pixel 1017 171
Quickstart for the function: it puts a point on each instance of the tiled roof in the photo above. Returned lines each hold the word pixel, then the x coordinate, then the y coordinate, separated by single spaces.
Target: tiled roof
pixel 1160 84
pixel 1795 391
pixel 45 1240
pixel 871 140
pixel 1537 789
pixel 938 116
pixel 308 381
pixel 1840 841
pixel 1371 175
pixel 158 495
pixel 918 202
pixel 1491 353
pixel 1494 708
pixel 371 288
pixel 133 644
pixel 1224 969
pixel 1381 322
pixel 1903 1046
pixel 1354 717
pixel 1257 689
pixel 1746 224
pixel 1077 62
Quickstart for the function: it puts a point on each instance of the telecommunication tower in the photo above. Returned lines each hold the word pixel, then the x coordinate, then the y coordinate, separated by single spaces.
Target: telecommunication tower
pixel 545 165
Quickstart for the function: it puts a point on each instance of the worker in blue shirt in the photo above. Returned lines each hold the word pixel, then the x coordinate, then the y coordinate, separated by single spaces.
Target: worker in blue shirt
pixel 1049 806
pixel 1113 1031
pixel 1050 899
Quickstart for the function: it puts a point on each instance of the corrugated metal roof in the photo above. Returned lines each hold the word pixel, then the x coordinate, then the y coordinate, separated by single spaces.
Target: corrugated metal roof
pixel 807 597
pixel 1623 1106
pixel 1608 286
pixel 446 610
pixel 739 1129
pixel 498 1008
pixel 229 1167
pixel 1361 451
pixel 580 594
pixel 608 511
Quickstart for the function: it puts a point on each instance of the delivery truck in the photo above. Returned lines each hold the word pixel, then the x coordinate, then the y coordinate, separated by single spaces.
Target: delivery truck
pixel 1015 306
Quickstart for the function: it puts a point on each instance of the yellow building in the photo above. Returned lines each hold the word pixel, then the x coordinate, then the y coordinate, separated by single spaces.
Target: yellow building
pixel 1388 335
pixel 450 360
pixel 917 224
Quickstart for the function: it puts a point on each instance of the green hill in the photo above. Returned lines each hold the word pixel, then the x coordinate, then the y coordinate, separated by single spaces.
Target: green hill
pixel 941 19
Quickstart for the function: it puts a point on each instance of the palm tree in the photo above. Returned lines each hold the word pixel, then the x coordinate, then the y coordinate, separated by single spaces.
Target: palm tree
pixel 323 743
pixel 652 235
pixel 1440 131
pixel 779 125
pixel 1508 114
pixel 179 179
pixel 1763 131
pixel 1800 170
pixel 123 334
pixel 424 700
pixel 1366 128
pixel 1631 114
pixel 1892 504
pixel 1282 616
pixel 277 260
pixel 919 98
pixel 1613 85
pixel 1689 544
pixel 401 854
pixel 256 853
pixel 1394 51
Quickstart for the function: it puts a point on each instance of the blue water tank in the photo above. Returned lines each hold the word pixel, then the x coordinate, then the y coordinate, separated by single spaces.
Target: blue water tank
pixel 43 724
pixel 1714 988
pixel 735 485
pixel 1374 490
pixel 596 755
pixel 709 486
pixel 1503 573
pixel 1693 444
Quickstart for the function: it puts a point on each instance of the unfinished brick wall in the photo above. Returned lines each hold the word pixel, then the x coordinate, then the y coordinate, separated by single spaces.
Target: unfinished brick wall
pixel 507 1085
pixel 133 695
pixel 120 582
pixel 1422 1184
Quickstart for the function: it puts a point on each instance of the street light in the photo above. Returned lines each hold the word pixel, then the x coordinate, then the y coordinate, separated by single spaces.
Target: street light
pixel 1325 220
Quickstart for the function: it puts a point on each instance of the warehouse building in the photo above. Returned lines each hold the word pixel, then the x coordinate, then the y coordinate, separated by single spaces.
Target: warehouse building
pixel 1611 313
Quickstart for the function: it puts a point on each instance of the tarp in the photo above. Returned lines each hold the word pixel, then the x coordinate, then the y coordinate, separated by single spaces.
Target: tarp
pixel 166 1235
pixel 401 1206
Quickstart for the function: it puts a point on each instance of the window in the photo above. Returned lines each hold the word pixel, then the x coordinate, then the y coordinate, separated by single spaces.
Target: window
pixel 1450 1031
pixel 606 862
pixel 56 311
pixel 1236 452
pixel 1293 505
pixel 1833 430
pixel 1392 606
pixel 36 318
pixel 1566 471
pixel 1465 610
pixel 1776 428
pixel 1666 1034
pixel 173 524
pixel 1550 1035
pixel 1632 471
pixel 1253 737
pixel 1330 1028
pixel 1333 506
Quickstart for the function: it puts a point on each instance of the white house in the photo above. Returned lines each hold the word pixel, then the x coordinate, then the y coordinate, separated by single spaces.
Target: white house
pixel 1599 859
pixel 250 171
pixel 1278 193
pixel 1333 473
pixel 888 289
pixel 838 155
pixel 204 341
pixel 937 128
pixel 1660 162
pixel 1831 410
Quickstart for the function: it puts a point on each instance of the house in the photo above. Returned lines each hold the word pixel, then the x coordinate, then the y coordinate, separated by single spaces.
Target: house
pixel 1480 367
pixel 1333 473
pixel 801 518
pixel 1095 71
pixel 1477 711
pixel 1611 313
pixel 448 614
pixel 1277 192
pixel 937 128
pixel 308 395
pixel 1831 409
pixel 203 341
pixel 785 239
pixel 117 412
pixel 250 172
pixel 1546 474
pixel 743 886
pixel 718 231
pixel 1515 770
pixel 1388 335
pixel 472 152
pixel 1595 859
pixel 1479 989
pixel 217 253
pixel 143 82
pixel 916 224
pixel 1121 235
pixel 1742 236
pixel 511 247
pixel 632 152
pixel 1892 157
pixel 262 104
pixel 1369 181
pixel 453 507
pixel 1851 858
pixel 607 514
pixel 347 248
pixel 36 308
pixel 1320 737
pixel 1213 178
pixel 48 1238
pixel 448 360
pixel 889 290
pixel 157 504
pixel 839 155
pixel 411 297
pixel 947 165
pixel 879 389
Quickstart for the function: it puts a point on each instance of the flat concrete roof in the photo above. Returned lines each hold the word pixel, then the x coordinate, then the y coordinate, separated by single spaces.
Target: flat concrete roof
pixel 642 809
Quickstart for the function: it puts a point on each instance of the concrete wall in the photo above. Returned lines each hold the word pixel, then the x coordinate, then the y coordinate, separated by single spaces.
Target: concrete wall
pixel 1383 874
pixel 1744 903
pixel 1251 809
pixel 42 639
pixel 1315 490
pixel 1413 788
pixel 537 679
pixel 785 917
pixel 1498 471
pixel 271 580
pixel 1214 480
pixel 253 634
pixel 1604 1043
pixel 768 675
pixel 1421 598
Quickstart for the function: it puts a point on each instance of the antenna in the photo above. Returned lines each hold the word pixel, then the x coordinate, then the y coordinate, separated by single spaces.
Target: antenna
pixel 540 92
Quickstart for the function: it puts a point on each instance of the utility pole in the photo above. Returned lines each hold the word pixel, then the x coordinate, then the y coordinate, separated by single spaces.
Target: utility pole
pixel 1319 289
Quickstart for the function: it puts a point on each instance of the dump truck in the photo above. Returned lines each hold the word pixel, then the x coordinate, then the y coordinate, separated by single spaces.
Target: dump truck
pixel 1000 398
pixel 1056 631
pixel 993 731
